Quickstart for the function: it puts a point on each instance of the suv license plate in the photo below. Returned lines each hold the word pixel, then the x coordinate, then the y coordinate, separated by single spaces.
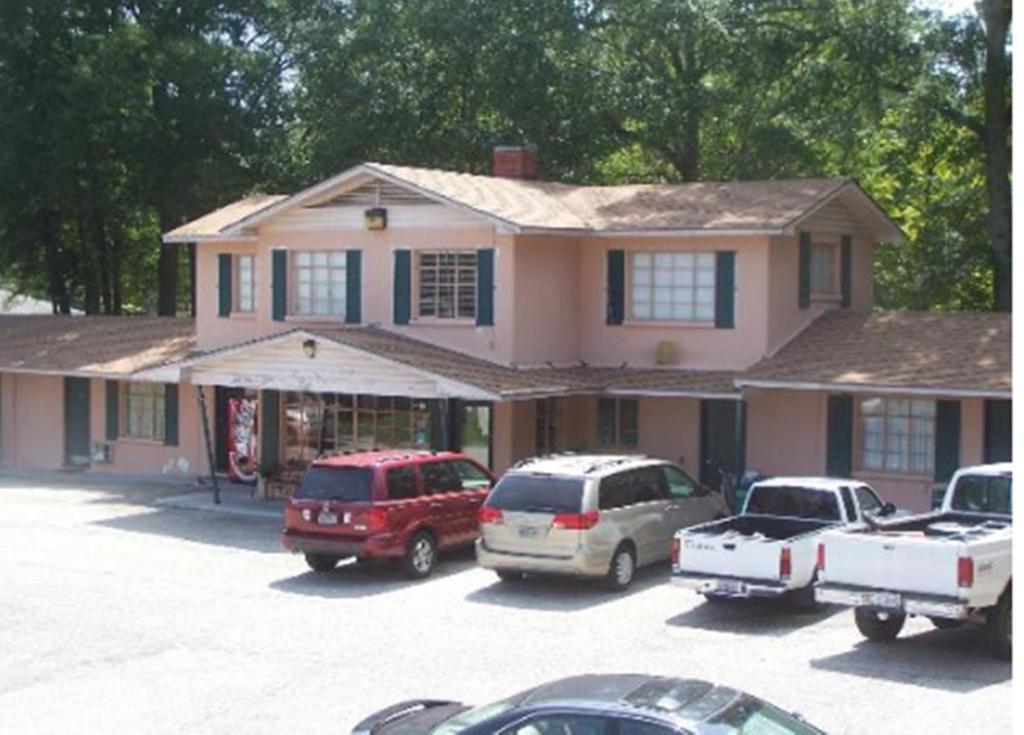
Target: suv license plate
pixel 326 519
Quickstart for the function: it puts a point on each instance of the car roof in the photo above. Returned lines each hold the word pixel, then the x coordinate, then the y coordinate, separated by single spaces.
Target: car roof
pixel 996 468
pixel 825 484
pixel 381 456
pixel 583 465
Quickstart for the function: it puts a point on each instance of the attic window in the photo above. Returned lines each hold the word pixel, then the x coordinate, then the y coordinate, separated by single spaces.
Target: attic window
pixel 824 269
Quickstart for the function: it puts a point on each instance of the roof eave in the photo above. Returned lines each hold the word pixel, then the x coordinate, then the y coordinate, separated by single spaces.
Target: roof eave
pixel 873 388
pixel 889 232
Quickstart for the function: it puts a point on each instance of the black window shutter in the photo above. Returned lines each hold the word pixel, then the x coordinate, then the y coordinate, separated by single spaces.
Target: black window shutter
pixel 224 283
pixel 998 430
pixel 268 417
pixel 845 264
pixel 113 411
pixel 804 295
pixel 485 287
pixel 616 286
pixel 279 278
pixel 839 452
pixel 171 414
pixel 725 289
pixel 947 439
pixel 403 286
pixel 353 286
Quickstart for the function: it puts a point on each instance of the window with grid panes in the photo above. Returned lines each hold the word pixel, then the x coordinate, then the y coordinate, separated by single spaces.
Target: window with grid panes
pixel 824 273
pixel 246 268
pixel 320 278
pixel 144 411
pixel 673 287
pixel 898 435
pixel 447 284
pixel 617 422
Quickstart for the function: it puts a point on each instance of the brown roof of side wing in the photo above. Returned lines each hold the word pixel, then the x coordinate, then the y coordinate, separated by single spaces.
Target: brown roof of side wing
pixel 951 352
pixel 92 345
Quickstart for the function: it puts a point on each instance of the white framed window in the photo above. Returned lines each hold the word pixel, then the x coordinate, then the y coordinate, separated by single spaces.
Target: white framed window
pixel 824 270
pixel 673 287
pixel 320 282
pixel 897 435
pixel 447 284
pixel 144 411
pixel 245 299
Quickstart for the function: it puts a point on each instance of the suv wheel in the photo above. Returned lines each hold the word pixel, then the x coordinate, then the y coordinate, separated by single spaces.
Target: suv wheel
pixel 321 562
pixel 877 625
pixel 421 556
pixel 621 570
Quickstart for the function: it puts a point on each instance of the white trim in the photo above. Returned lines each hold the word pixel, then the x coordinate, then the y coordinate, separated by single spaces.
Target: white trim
pixel 670 393
pixel 874 389
pixel 141 375
pixel 174 239
pixel 667 232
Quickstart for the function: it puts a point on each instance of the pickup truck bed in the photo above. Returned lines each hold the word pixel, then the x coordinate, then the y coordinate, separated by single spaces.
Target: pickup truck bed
pixel 768 527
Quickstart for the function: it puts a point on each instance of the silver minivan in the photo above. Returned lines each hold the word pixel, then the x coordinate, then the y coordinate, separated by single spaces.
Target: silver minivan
pixel 589 515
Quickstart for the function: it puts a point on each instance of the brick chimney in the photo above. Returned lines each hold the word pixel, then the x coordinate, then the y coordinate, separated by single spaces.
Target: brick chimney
pixel 515 162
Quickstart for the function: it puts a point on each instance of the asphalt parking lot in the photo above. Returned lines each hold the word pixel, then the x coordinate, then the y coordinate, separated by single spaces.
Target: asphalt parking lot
pixel 120 616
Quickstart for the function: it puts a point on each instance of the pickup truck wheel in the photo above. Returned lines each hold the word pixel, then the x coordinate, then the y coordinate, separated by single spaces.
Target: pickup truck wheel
pixel 321 562
pixel 877 625
pixel 946 623
pixel 999 628
pixel 420 557
pixel 621 570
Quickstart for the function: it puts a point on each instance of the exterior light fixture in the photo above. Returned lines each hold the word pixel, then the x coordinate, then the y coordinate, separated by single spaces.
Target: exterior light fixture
pixel 309 347
pixel 376 218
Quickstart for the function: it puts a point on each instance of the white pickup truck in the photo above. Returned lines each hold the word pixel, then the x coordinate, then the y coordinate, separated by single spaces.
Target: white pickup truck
pixel 769 549
pixel 952 565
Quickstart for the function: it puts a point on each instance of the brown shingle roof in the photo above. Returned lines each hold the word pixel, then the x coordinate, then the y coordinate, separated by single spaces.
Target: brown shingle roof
pixel 924 351
pixel 92 345
pixel 210 225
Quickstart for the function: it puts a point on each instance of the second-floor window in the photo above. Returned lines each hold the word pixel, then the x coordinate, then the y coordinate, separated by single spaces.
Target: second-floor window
pixel 245 266
pixel 898 435
pixel 320 282
pixel 824 270
pixel 144 411
pixel 447 284
pixel 673 287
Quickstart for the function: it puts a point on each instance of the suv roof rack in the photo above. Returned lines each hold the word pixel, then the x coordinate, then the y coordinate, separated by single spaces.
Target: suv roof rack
pixel 604 464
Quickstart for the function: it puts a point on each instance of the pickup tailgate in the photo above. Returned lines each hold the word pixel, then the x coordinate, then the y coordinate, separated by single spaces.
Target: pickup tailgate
pixel 896 562
pixel 727 555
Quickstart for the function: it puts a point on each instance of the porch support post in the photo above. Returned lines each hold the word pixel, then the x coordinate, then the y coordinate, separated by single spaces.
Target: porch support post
pixel 201 400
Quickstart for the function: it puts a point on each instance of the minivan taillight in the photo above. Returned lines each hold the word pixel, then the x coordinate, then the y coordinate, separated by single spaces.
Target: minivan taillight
pixel 821 557
pixel 487 514
pixel 785 563
pixel 576 521
pixel 676 548
pixel 965 572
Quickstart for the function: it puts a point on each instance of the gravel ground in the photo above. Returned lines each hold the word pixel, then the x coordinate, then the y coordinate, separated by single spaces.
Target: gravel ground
pixel 120 616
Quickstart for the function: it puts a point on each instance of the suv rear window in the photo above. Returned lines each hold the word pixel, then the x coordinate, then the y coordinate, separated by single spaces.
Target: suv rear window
pixel 794 502
pixel 335 483
pixel 983 494
pixel 537 493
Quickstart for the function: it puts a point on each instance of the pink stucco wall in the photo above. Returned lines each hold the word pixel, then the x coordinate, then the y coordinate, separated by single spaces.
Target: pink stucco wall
pixel 546 303
pixel 33 420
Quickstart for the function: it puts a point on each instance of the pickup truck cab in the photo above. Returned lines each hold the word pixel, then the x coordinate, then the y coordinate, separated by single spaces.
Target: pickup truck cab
pixel 769 549
pixel 952 566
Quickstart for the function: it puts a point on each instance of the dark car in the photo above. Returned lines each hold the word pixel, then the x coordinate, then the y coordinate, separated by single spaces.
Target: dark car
pixel 394 504
pixel 609 704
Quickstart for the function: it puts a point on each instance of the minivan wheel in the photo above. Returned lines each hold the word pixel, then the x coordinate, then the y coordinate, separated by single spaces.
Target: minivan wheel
pixel 420 557
pixel 621 570
pixel 878 625
pixel 507 575
pixel 321 562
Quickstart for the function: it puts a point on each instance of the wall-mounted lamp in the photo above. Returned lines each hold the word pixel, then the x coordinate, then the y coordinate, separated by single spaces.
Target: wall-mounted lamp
pixel 376 218
pixel 309 347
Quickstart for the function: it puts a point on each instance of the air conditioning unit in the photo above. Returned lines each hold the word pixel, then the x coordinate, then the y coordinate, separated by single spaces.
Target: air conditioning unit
pixel 102 452
pixel 668 352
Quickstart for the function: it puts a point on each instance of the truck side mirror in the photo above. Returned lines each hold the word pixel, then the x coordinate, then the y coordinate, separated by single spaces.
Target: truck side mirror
pixel 888 509
pixel 937 495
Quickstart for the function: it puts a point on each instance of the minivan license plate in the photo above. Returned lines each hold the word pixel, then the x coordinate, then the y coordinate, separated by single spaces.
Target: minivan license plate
pixel 326 519
pixel 527 531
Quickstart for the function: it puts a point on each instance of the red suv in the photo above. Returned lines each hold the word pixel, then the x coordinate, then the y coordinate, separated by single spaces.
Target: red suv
pixel 393 504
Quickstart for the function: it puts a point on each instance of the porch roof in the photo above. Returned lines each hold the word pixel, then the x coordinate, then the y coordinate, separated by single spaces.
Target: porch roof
pixel 374 360
pixel 909 352
pixel 92 346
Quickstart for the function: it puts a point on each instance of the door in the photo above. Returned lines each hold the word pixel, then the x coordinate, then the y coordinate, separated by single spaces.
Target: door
pixel 76 422
pixel 998 431
pixel 443 488
pixel 722 439
pixel 476 486
pixel 689 503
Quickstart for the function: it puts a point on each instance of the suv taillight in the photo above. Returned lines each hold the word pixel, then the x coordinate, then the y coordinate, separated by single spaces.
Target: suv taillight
pixel 965 572
pixel 821 557
pixel 576 521
pixel 378 519
pixel 785 563
pixel 487 514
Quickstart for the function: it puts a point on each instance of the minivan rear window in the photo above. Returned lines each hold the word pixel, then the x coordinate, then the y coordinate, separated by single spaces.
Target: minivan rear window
pixel 335 483
pixel 793 501
pixel 537 493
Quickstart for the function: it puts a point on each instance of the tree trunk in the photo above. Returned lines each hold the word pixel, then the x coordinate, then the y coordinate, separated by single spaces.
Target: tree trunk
pixel 690 169
pixel 167 291
pixel 996 14
pixel 56 276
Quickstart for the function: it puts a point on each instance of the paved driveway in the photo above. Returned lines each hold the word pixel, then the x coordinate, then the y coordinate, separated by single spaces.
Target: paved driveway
pixel 120 616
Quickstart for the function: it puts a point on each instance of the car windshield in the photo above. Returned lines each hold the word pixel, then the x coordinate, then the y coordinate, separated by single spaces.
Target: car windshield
pixel 793 501
pixel 335 483
pixel 983 494
pixel 751 716
pixel 465 720
pixel 537 493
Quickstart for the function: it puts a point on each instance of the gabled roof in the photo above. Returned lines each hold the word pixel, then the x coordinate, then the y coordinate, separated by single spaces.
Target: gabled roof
pixel 100 346
pixel 734 207
pixel 952 353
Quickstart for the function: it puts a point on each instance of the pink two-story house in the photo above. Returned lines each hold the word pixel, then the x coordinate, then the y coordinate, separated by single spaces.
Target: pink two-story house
pixel 717 324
